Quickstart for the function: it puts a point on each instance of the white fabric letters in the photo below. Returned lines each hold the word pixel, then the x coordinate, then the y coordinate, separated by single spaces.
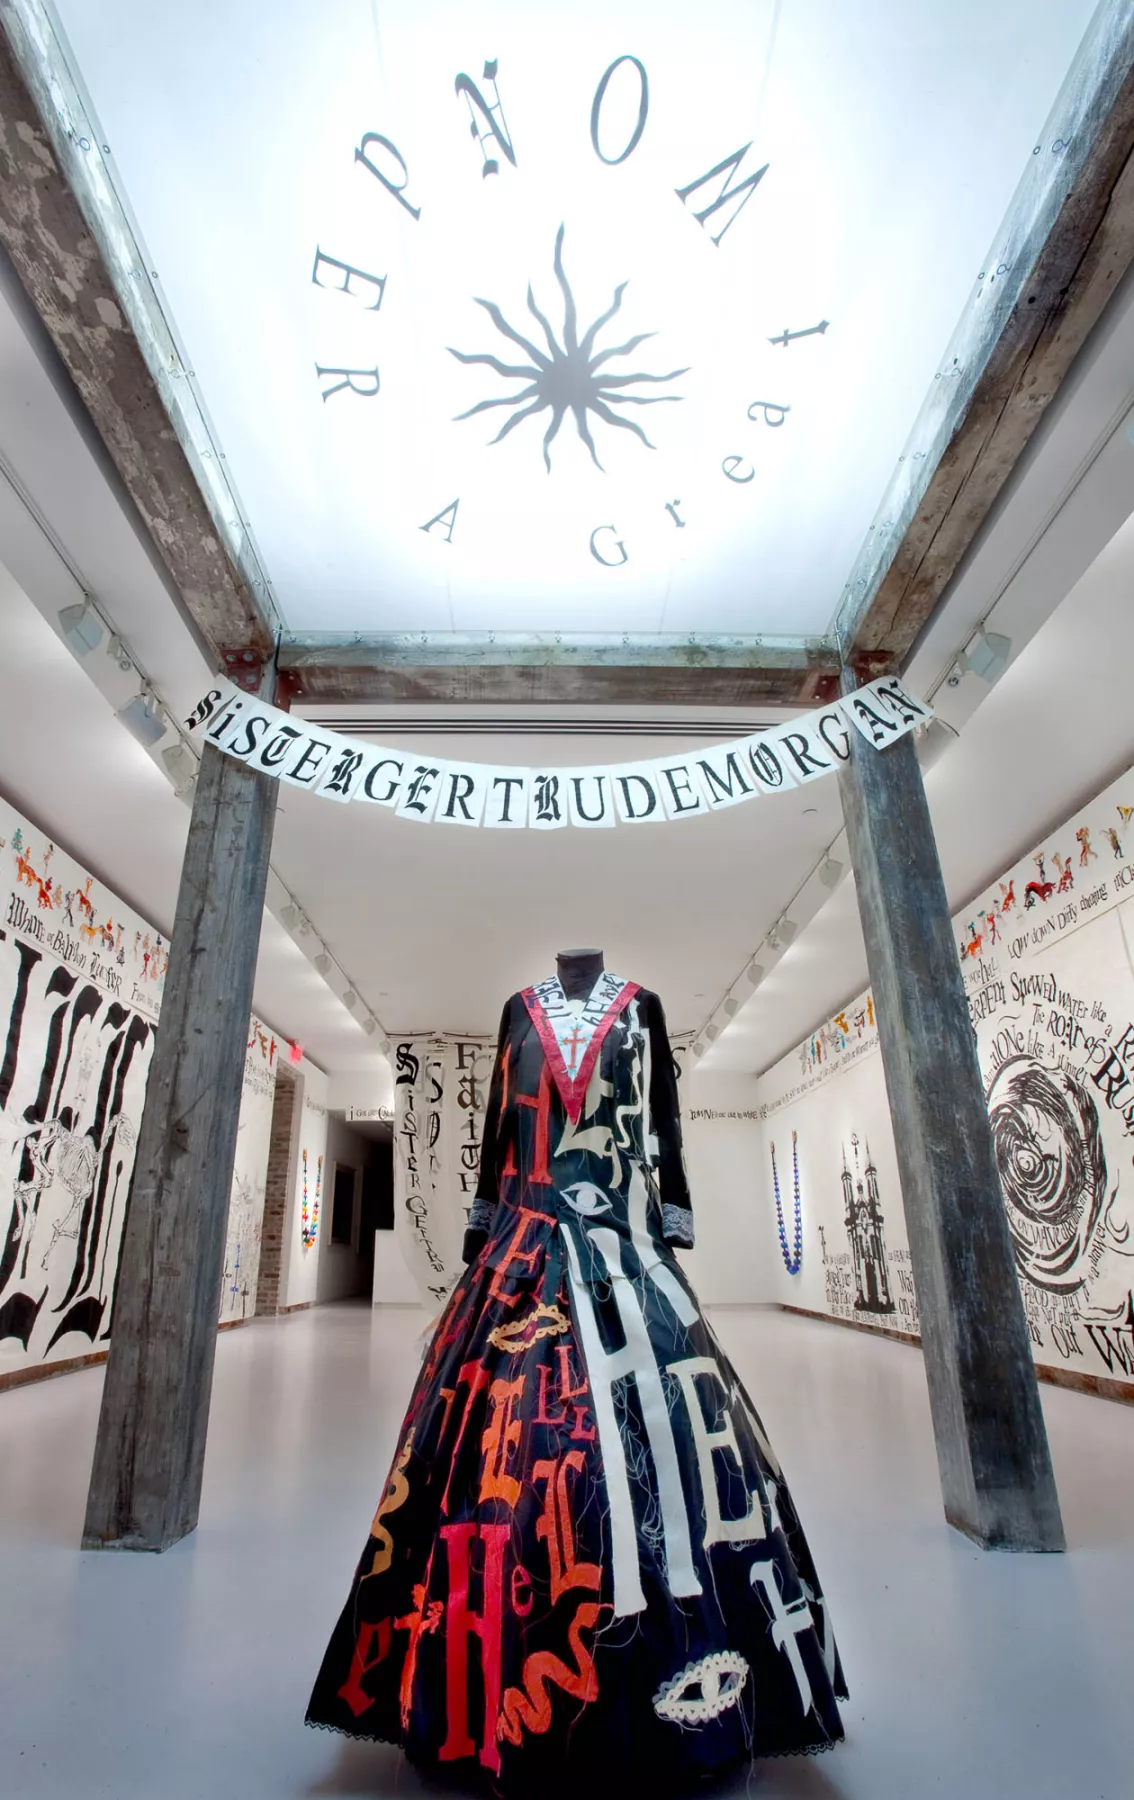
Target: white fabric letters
pixel 750 1527
pixel 634 1360
pixel 509 799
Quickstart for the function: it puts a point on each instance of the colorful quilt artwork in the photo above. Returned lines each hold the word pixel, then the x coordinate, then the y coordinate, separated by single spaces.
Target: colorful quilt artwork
pixel 585 1552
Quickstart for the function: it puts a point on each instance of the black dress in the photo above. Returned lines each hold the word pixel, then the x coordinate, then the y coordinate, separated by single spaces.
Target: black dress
pixel 586 1561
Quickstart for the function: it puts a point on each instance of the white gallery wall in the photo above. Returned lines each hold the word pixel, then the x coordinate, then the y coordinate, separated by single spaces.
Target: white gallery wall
pixel 731 1263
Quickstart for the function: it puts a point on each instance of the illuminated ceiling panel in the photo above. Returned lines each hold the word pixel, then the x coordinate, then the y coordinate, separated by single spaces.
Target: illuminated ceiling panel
pixel 613 316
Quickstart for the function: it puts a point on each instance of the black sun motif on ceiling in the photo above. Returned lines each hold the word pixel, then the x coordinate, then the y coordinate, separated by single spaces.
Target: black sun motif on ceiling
pixel 568 377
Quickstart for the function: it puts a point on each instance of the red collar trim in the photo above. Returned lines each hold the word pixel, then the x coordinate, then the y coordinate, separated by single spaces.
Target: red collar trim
pixel 573 1092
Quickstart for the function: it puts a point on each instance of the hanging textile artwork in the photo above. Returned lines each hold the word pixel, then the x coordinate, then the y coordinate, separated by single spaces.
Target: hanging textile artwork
pixel 586 1556
pixel 433 790
pixel 440 1095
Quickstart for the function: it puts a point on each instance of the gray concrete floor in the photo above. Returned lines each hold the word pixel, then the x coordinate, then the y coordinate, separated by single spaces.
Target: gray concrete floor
pixel 184 1677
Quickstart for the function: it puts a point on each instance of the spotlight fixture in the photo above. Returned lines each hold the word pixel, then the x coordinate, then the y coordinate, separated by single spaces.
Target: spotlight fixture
pixel 787 929
pixel 385 1046
pixel 143 719
pixel 323 963
pixel 754 973
pixel 713 1030
pixel 698 1050
pixel 987 655
pixel 830 872
pixel 933 740
pixel 117 652
pixel 80 626
pixel 180 764
pixel 290 916
pixel 732 1006
pixel 370 1026
pixel 350 999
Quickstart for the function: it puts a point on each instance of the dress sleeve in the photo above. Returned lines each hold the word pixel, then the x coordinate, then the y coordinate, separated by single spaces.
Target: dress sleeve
pixel 665 1112
pixel 488 1184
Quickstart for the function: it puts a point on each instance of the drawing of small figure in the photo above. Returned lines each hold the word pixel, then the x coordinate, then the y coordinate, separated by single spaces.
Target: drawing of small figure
pixel 48 853
pixel 74 1162
pixel 1040 860
pixel 1083 837
pixel 83 896
pixel 68 903
pixel 1066 872
pixel 18 841
pixel 24 870
pixel 45 898
pixel 1008 904
pixel 1111 836
pixel 1126 813
pixel 993 924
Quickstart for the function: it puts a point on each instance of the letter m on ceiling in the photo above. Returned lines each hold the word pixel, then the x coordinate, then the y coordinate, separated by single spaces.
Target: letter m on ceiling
pixel 733 194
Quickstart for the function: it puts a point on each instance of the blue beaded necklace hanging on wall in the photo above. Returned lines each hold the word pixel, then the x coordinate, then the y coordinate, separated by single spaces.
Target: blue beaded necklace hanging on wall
pixel 793 1256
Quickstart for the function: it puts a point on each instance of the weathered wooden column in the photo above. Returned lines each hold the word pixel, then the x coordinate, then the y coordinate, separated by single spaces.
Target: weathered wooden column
pixel 146 1483
pixel 992 1449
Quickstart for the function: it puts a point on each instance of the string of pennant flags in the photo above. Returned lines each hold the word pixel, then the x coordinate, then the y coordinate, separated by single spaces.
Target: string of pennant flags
pixel 440 791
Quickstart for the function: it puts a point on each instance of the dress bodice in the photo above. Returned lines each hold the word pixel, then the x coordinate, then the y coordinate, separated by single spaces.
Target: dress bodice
pixel 583 1125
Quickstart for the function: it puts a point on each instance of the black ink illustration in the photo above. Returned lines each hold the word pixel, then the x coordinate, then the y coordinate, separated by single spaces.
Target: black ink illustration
pixel 1061 1204
pixel 569 376
pixel 71 1055
pixel 866 1233
pixel 1052 1165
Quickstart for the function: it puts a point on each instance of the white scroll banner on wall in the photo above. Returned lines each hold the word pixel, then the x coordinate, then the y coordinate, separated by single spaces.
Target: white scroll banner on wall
pixel 430 790
pixel 440 1094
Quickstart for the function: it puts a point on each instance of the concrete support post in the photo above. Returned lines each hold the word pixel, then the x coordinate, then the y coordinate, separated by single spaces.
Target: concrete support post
pixel 992 1450
pixel 146 1482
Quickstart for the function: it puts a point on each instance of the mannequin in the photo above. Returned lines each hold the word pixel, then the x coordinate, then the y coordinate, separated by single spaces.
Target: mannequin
pixel 578 970
pixel 573 1294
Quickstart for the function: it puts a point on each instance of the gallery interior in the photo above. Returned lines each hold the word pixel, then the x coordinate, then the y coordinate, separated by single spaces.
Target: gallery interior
pixel 694 453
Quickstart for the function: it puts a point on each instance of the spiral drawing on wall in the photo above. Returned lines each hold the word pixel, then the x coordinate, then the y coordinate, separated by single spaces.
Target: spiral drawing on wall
pixel 1052 1166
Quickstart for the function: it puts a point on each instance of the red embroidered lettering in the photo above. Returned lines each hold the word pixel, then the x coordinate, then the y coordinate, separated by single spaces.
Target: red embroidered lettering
pixel 540 1175
pixel 514 1254
pixel 501 1435
pixel 362 1662
pixel 475 1376
pixel 556 1529
pixel 487 1624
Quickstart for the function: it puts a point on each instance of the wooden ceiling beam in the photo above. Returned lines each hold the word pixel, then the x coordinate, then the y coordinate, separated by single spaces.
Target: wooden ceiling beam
pixel 74 251
pixel 557 668
pixel 1066 243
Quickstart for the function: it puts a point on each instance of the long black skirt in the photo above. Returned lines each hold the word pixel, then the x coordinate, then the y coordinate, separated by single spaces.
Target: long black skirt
pixel 586 1558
